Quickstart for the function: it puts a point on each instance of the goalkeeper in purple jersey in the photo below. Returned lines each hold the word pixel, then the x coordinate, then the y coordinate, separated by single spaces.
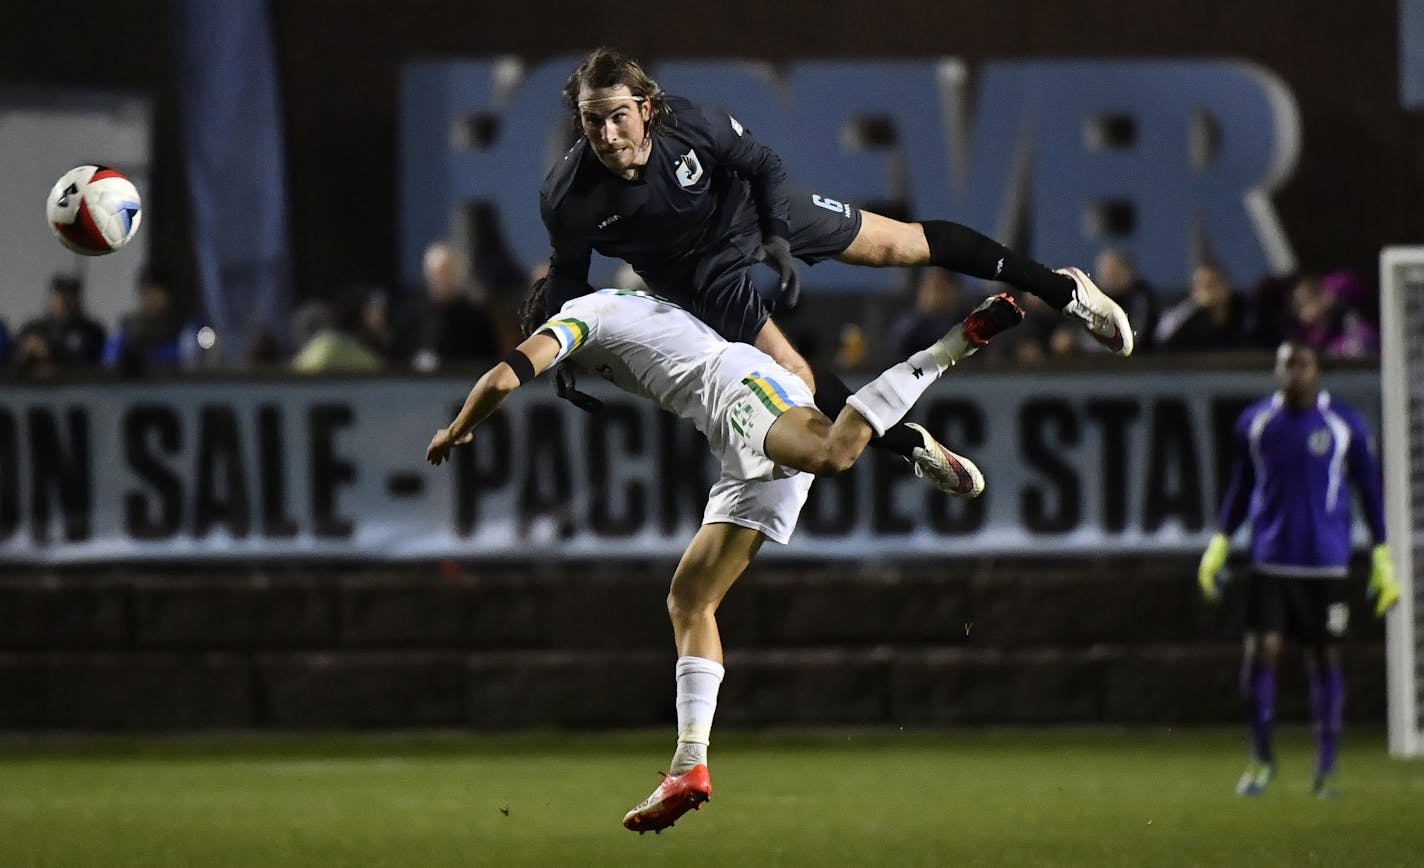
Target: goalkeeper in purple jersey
pixel 1298 453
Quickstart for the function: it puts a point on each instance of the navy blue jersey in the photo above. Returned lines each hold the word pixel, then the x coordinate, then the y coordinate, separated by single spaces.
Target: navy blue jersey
pixel 1293 473
pixel 708 187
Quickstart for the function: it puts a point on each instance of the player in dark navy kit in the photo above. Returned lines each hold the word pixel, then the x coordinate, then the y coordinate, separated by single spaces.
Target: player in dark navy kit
pixel 687 197
pixel 1298 453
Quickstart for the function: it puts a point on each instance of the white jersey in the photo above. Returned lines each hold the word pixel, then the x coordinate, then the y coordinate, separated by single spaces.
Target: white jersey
pixel 650 347
pixel 645 345
pixel 733 393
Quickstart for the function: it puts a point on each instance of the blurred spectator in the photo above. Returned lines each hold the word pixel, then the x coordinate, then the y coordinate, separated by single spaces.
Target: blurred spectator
pixel 70 337
pixel 308 319
pixel 338 344
pixel 1211 317
pixel 1272 310
pixel 375 326
pixel 939 305
pixel 852 348
pixel 1329 315
pixel 1065 341
pixel 263 350
pixel 1352 309
pixel 4 343
pixel 1116 275
pixel 151 336
pixel 1310 311
pixel 32 355
pixel 450 323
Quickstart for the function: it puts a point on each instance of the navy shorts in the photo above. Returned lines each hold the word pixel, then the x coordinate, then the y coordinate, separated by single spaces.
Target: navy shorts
pixel 726 295
pixel 822 226
pixel 1312 611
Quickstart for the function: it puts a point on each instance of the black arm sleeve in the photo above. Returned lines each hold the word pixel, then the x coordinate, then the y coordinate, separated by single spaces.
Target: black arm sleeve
pixel 568 266
pixel 737 149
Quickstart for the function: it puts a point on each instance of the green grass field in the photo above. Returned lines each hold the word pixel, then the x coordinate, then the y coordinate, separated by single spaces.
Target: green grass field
pixel 885 798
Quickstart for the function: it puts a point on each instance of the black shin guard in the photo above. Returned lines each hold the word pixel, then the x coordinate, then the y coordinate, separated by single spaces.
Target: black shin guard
pixel 831 395
pixel 959 248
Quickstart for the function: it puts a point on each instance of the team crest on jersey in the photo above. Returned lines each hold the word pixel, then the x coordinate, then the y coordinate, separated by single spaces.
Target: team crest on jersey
pixel 741 416
pixel 689 168
pixel 1319 442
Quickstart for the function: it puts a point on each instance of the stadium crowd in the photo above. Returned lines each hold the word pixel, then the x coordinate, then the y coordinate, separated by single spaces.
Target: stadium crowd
pixel 464 313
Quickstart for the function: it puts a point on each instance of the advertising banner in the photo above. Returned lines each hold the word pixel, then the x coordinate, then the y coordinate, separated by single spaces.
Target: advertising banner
pixel 1075 463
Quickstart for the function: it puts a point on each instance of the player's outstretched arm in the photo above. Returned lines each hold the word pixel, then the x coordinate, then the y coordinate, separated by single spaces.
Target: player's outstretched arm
pixel 529 360
pixel 1234 504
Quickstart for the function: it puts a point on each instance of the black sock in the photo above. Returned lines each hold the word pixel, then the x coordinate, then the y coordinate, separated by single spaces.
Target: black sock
pixel 831 395
pixel 959 248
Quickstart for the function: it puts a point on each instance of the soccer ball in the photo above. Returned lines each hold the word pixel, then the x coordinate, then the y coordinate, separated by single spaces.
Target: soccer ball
pixel 94 210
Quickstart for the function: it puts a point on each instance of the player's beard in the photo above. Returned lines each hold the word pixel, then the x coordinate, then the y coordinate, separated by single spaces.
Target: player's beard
pixel 629 159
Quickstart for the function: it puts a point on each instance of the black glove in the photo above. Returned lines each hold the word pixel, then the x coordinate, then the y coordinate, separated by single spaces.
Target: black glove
pixel 776 252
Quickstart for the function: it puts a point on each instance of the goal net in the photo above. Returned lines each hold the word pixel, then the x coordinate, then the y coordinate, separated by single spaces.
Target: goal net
pixel 1402 385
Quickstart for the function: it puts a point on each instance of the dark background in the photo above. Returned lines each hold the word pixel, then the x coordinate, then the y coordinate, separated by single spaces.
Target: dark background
pixel 982 641
pixel 1355 189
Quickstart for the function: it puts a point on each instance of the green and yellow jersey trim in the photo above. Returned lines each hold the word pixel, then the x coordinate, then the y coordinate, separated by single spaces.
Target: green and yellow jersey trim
pixel 769 393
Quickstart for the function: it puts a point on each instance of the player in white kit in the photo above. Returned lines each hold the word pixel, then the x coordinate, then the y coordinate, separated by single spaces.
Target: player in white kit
pixel 760 421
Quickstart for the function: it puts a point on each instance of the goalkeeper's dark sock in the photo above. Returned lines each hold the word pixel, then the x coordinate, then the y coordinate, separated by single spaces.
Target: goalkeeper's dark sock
pixel 1327 707
pixel 831 396
pixel 1259 689
pixel 959 248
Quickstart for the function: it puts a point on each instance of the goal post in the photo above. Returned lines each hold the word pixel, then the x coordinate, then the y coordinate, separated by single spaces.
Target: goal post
pixel 1402 404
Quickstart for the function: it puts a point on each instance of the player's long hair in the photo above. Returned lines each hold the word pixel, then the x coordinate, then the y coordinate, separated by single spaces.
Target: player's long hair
pixel 606 67
pixel 531 310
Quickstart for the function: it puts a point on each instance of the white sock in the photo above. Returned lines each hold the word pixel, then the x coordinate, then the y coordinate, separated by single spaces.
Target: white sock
pixel 885 400
pixel 697 681
pixel 952 349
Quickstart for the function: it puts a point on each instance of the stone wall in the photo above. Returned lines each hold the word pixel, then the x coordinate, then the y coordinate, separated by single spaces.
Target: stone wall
pixel 500 647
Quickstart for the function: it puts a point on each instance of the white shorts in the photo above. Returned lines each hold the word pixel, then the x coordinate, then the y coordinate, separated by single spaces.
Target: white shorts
pixel 751 393
pixel 771 506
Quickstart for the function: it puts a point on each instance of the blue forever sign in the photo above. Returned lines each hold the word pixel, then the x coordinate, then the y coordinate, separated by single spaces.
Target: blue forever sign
pixel 1167 159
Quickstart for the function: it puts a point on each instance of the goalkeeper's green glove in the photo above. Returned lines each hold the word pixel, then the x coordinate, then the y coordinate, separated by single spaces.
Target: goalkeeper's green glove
pixel 1383 589
pixel 1212 560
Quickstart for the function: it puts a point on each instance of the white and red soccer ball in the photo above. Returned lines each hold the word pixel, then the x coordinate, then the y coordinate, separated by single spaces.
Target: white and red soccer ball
pixel 94 210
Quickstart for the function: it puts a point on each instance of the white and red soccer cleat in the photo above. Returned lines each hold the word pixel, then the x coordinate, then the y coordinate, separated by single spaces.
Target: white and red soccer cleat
pixel 675 796
pixel 995 314
pixel 950 472
pixel 1104 319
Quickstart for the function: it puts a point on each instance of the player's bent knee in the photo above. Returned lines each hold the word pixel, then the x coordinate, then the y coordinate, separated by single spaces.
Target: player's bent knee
pixel 683 611
pixel 885 242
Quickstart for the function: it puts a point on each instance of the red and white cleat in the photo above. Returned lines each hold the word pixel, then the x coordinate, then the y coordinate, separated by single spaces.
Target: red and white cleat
pixel 675 796
pixel 950 472
pixel 1104 319
pixel 995 314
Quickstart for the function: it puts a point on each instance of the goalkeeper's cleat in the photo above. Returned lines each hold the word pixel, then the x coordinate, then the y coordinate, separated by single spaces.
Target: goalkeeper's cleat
pixel 950 473
pixel 995 314
pixel 675 796
pixel 1256 778
pixel 1324 785
pixel 1101 316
